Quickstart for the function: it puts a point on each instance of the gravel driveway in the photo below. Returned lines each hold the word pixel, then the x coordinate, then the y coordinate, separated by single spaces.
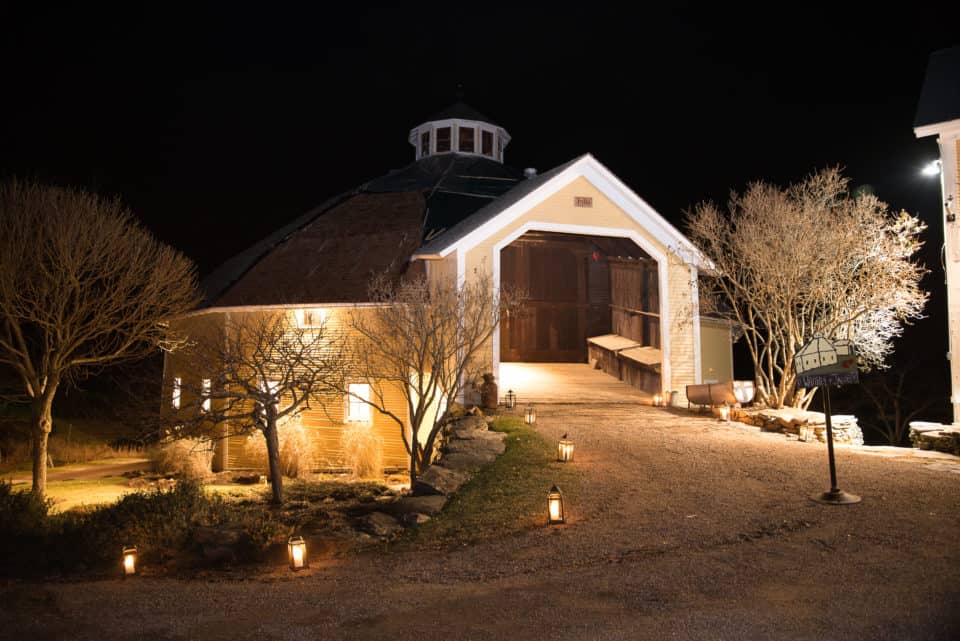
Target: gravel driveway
pixel 684 528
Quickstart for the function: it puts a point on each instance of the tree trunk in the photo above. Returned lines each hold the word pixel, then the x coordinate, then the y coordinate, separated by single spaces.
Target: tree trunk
pixel 414 463
pixel 41 423
pixel 273 456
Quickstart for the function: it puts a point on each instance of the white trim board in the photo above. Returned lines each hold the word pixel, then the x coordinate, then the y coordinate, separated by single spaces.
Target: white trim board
pixel 610 186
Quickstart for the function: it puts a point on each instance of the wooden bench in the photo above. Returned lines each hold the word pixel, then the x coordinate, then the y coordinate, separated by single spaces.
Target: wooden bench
pixel 627 359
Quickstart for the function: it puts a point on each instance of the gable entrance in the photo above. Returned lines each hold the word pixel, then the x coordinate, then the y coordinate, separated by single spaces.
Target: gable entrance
pixel 576 287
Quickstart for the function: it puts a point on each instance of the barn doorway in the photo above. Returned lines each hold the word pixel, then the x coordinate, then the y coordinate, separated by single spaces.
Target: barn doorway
pixel 576 287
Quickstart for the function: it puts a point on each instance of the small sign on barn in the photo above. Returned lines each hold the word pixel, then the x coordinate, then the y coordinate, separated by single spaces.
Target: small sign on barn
pixel 823 362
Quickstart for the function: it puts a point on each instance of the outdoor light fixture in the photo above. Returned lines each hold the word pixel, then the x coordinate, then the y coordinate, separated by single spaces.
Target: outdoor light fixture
pixel 510 400
pixel 555 506
pixel 531 415
pixel 297 553
pixel 725 413
pixel 565 450
pixel 129 560
pixel 657 400
pixel 932 168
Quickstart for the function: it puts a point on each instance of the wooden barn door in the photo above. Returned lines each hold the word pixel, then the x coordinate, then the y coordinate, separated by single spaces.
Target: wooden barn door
pixel 568 296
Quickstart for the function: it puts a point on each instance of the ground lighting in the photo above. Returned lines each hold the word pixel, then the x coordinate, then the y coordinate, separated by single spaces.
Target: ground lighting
pixel 297 553
pixel 565 450
pixel 555 507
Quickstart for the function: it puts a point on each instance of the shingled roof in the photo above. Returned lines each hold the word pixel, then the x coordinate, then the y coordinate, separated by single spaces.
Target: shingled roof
pixel 329 253
pixel 940 96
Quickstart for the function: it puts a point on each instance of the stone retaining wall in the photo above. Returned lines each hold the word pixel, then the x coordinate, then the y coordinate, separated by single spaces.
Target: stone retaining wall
pixel 806 426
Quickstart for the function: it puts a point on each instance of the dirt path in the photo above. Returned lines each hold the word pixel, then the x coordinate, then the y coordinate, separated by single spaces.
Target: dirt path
pixel 683 528
pixel 85 471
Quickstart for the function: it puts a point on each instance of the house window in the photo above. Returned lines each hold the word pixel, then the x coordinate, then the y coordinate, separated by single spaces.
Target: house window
pixel 358 411
pixel 307 318
pixel 425 144
pixel 272 387
pixel 486 143
pixel 175 400
pixel 205 394
pixel 466 139
pixel 443 139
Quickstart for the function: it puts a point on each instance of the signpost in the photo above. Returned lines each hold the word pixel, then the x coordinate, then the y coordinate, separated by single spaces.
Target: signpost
pixel 822 363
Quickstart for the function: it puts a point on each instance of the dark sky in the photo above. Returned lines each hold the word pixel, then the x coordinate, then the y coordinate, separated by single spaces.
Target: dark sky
pixel 218 125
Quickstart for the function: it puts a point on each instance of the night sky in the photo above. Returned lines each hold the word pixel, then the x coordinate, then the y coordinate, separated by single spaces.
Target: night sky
pixel 219 125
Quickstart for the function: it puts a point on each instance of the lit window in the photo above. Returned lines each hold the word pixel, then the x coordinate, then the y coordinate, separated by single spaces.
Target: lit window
pixel 358 411
pixel 443 139
pixel 205 392
pixel 425 144
pixel 175 401
pixel 311 317
pixel 272 387
pixel 486 143
pixel 466 139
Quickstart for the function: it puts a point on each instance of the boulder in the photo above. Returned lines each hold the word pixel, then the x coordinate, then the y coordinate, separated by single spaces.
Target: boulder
pixel 415 519
pixel 429 505
pixel 439 480
pixel 379 524
pixel 468 461
pixel 467 424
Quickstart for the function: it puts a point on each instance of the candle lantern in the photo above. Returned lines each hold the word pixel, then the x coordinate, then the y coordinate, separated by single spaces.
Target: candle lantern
pixel 510 400
pixel 657 400
pixel 555 506
pixel 129 560
pixel 565 450
pixel 297 553
pixel 725 413
pixel 531 415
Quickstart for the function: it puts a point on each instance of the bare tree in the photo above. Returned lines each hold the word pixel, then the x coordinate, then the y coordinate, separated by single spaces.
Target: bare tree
pixel 424 338
pixel 896 398
pixel 82 285
pixel 264 369
pixel 808 259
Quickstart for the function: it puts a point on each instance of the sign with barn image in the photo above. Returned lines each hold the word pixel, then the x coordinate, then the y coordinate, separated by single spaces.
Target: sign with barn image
pixel 823 362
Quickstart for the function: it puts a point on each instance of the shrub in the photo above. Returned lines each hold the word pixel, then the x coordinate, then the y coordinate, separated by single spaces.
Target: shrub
pixel 188 458
pixel 21 513
pixel 362 450
pixel 296 447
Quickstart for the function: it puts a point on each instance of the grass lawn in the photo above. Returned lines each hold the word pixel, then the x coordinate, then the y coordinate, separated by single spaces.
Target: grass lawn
pixel 507 496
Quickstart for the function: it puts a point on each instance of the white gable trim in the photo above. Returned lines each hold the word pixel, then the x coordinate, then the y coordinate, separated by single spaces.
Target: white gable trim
pixel 948 128
pixel 666 381
pixel 607 183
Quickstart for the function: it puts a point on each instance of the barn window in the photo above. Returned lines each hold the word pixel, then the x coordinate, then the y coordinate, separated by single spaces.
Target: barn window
pixel 358 411
pixel 425 144
pixel 466 139
pixel 175 400
pixel 205 394
pixel 486 143
pixel 315 317
pixel 443 139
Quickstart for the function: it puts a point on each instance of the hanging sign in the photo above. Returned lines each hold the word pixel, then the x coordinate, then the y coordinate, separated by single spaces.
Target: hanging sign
pixel 822 362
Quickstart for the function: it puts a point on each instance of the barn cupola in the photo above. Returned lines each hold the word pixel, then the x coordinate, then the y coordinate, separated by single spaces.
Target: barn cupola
pixel 459 129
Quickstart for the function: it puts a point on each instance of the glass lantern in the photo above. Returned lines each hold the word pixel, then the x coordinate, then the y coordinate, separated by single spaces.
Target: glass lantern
pixel 531 415
pixel 565 450
pixel 510 400
pixel 297 553
pixel 555 514
pixel 129 560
